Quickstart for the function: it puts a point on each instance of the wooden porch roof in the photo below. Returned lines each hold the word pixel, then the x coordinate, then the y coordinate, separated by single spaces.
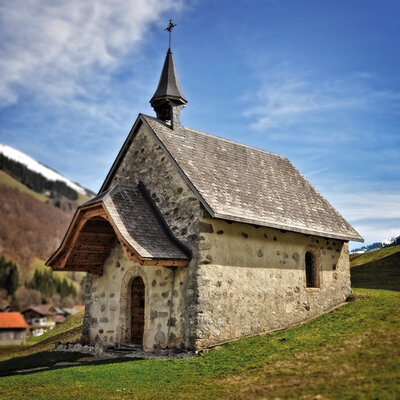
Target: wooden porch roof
pixel 122 214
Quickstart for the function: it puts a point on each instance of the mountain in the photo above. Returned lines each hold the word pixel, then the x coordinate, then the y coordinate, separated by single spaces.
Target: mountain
pixel 36 207
pixel 393 241
pixel 15 162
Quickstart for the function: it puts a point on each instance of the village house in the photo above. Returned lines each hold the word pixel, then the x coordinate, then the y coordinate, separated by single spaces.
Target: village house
pixel 195 240
pixel 40 318
pixel 12 328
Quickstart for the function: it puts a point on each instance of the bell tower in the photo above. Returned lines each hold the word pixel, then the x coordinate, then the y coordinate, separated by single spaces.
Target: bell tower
pixel 168 99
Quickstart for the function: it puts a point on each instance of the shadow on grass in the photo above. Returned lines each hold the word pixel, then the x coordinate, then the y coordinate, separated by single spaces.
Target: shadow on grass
pixel 380 274
pixel 47 360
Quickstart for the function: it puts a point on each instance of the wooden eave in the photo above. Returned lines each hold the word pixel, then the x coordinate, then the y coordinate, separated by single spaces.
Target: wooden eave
pixel 83 250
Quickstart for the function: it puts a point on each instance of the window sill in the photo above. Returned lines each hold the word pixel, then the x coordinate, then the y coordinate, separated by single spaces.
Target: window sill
pixel 313 289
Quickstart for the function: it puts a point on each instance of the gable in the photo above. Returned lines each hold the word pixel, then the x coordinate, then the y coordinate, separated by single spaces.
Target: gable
pixel 240 183
pixel 123 214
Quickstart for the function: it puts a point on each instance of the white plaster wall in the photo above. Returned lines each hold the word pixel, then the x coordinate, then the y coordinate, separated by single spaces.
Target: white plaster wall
pixel 252 280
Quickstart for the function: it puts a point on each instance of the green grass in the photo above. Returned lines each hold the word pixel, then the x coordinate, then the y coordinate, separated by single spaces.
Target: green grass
pixel 68 331
pixel 373 256
pixel 379 269
pixel 72 322
pixel 351 353
pixel 7 180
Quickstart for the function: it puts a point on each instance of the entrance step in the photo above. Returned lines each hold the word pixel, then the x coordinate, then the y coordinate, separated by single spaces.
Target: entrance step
pixel 127 347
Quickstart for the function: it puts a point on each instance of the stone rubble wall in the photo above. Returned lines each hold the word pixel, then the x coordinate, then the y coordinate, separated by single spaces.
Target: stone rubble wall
pixel 252 280
pixel 110 308
pixel 145 161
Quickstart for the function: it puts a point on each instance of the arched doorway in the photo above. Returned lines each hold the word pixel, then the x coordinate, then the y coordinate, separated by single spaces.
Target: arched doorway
pixel 137 311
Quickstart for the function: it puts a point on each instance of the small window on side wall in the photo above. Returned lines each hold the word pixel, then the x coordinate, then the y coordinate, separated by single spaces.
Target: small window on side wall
pixel 312 271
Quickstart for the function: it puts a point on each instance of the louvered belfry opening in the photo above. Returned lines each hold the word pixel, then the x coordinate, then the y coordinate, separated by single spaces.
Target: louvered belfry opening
pixel 137 310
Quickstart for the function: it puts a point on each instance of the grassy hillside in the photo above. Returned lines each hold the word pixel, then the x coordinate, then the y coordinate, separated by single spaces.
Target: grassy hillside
pixel 68 331
pixel 351 353
pixel 9 181
pixel 379 269
pixel 372 256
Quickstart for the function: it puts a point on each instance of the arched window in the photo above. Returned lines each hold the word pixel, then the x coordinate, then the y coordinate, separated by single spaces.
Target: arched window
pixel 312 271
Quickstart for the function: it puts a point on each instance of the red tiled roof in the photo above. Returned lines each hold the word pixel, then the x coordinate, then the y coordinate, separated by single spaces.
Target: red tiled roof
pixel 12 320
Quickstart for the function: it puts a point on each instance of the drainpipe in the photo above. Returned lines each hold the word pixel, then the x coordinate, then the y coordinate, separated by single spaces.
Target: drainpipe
pixel 171 304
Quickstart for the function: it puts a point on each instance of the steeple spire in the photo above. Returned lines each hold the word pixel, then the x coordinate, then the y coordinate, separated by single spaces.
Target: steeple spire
pixel 168 99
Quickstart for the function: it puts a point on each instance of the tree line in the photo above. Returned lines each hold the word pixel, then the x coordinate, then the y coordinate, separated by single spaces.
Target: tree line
pixel 9 277
pixel 46 283
pixel 34 180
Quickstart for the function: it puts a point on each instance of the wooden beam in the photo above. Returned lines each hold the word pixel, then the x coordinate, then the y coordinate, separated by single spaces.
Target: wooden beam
pixel 166 263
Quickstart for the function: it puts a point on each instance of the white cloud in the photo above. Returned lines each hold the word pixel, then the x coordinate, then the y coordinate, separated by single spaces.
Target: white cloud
pixel 376 231
pixel 292 97
pixel 361 205
pixel 374 214
pixel 49 46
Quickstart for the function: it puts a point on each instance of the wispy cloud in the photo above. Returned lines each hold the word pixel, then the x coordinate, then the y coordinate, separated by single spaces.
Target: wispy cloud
pixel 71 75
pixel 291 97
pixel 362 205
pixel 52 46
pixel 373 213
pixel 315 172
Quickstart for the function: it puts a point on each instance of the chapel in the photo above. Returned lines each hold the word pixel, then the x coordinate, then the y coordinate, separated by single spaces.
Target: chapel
pixel 195 240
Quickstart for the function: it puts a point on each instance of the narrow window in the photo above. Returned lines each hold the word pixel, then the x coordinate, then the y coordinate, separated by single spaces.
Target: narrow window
pixel 312 278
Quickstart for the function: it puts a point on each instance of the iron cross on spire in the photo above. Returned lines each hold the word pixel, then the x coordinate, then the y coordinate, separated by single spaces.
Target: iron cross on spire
pixel 169 28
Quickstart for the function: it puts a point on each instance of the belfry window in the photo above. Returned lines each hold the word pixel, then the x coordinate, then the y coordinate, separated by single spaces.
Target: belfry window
pixel 312 271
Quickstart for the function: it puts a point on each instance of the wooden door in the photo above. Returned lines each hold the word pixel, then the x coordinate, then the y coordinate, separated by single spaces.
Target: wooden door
pixel 137 311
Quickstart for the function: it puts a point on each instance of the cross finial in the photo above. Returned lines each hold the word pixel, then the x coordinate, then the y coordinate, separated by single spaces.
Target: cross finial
pixel 169 28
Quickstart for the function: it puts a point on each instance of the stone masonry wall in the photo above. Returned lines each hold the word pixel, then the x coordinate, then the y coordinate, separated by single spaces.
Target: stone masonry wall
pixel 109 303
pixel 145 161
pixel 252 279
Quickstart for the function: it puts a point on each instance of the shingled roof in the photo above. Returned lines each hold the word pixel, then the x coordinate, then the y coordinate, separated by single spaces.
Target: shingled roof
pixel 140 224
pixel 122 213
pixel 241 183
pixel 168 86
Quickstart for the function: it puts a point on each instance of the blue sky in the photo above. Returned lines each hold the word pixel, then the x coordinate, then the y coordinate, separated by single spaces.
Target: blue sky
pixel 316 81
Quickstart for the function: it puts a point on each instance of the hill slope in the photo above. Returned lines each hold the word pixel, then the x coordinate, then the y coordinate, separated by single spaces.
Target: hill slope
pixel 29 227
pixel 26 167
pixel 379 269
pixel 36 207
pixel 351 353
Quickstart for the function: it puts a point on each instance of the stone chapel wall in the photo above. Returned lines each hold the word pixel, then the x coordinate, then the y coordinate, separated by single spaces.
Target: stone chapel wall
pixel 110 303
pixel 252 279
pixel 145 161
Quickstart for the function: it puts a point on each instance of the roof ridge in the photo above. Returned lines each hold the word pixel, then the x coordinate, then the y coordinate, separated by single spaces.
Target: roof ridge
pixel 216 137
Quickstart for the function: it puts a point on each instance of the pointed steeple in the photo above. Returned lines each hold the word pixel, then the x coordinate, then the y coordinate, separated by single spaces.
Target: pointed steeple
pixel 168 99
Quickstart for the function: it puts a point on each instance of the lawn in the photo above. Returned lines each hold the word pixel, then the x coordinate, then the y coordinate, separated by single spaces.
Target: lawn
pixel 351 353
